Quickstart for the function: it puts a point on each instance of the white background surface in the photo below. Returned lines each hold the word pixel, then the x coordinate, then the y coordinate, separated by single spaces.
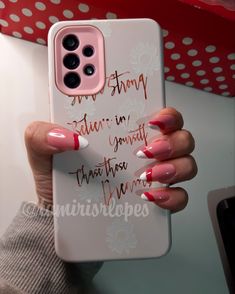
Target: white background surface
pixel 193 265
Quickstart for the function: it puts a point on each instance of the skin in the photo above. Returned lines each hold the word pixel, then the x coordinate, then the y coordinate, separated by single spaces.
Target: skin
pixel 181 141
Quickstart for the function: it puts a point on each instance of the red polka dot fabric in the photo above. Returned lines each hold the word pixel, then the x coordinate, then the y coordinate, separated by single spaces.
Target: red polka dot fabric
pixel 197 51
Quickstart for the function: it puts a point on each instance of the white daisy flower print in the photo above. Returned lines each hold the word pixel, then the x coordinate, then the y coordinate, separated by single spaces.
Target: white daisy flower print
pixel 84 193
pixel 120 237
pixel 144 59
pixel 76 112
pixel 132 109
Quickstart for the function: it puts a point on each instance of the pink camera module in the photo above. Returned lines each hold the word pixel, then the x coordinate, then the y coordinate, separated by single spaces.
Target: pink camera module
pixel 79 60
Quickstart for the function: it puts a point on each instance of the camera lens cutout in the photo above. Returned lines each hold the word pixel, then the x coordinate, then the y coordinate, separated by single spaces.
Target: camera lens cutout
pixel 89 70
pixel 70 42
pixel 72 80
pixel 88 51
pixel 71 61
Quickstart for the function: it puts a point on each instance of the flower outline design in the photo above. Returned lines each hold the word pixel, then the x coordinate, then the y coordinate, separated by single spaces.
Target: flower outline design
pixel 144 59
pixel 76 112
pixel 120 237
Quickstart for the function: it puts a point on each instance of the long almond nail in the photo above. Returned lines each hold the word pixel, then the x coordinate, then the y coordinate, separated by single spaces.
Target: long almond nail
pixel 161 173
pixel 66 140
pixel 159 149
pixel 163 122
pixel 156 196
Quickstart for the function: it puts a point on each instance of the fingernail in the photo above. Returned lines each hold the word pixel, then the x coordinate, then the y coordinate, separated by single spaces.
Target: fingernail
pixel 160 173
pixel 162 122
pixel 156 196
pixel 66 140
pixel 159 149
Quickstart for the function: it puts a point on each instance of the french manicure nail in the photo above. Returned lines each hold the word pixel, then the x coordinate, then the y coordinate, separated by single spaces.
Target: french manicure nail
pixel 159 149
pixel 156 196
pixel 66 140
pixel 161 173
pixel 162 122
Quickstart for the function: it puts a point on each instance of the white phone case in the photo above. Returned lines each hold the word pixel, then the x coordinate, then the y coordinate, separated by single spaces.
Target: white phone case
pixel 99 214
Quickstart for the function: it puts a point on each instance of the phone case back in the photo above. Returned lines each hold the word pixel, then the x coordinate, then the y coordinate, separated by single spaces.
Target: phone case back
pixel 99 214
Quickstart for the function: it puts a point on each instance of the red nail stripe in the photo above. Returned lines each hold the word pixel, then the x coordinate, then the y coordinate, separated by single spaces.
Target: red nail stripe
pixel 149 196
pixel 157 123
pixel 148 153
pixel 76 141
pixel 149 175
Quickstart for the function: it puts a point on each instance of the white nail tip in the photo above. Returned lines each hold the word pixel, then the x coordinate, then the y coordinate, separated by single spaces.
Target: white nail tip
pixel 140 154
pixel 155 127
pixel 144 197
pixel 83 142
pixel 143 176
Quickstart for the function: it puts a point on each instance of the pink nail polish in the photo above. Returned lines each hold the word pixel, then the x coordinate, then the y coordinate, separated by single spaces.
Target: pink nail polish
pixel 66 140
pixel 159 149
pixel 163 122
pixel 158 196
pixel 161 173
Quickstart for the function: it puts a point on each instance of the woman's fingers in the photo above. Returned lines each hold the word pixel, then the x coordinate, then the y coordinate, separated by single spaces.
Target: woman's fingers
pixel 167 120
pixel 173 145
pixel 173 162
pixel 42 140
pixel 174 199
pixel 171 171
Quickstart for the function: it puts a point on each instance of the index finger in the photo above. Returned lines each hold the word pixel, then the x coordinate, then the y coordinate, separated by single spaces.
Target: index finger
pixel 167 120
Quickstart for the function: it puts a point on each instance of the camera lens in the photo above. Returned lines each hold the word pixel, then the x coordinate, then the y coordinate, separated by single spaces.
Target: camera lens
pixel 89 70
pixel 70 42
pixel 71 61
pixel 88 51
pixel 72 80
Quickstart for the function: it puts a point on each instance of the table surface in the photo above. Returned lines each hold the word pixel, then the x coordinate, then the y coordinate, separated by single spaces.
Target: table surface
pixel 193 264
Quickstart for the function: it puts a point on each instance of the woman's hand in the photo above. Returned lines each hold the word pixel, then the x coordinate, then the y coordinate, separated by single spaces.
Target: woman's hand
pixel 42 140
pixel 174 163
pixel 171 150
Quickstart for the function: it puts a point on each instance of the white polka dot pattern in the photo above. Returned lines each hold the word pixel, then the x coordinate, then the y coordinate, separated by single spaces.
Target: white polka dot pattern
pixel 189 84
pixel 111 15
pixel 68 13
pixel 166 69
pixel 14 17
pixel 40 25
pixel 165 33
pixel 210 48
pixel 2 5
pixel 231 56
pixel 28 30
pixel 27 12
pixel 175 56
pixel 17 34
pixel 201 72
pixel 180 66
pixel 205 65
pixel 3 22
pixel 192 52
pixel 169 45
pixel 185 75
pixel 196 63
pixel 83 7
pixel 55 1
pixel 41 41
pixel 40 6
pixel 187 41
pixel 170 78
pixel 53 19
pixel 202 67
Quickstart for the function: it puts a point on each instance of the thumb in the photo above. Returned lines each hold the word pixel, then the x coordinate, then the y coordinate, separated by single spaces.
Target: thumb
pixel 42 140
